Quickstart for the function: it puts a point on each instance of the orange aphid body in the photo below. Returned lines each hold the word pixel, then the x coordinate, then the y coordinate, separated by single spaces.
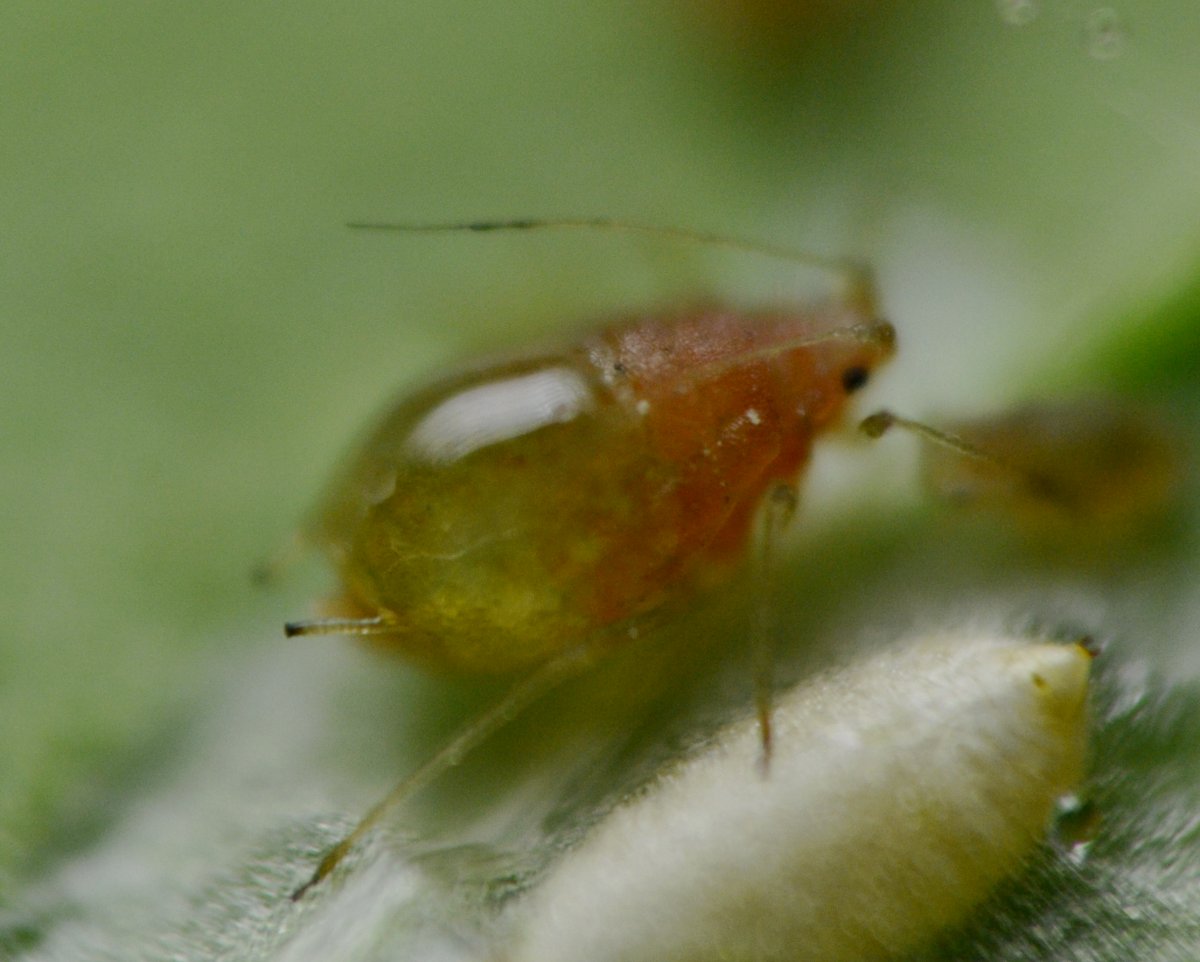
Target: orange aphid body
pixel 512 512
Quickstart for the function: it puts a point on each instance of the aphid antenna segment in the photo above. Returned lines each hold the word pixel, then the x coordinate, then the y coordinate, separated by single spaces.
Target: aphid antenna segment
pixel 857 278
pixel 877 424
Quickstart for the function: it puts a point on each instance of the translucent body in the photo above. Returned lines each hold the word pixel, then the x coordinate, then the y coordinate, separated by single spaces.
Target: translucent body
pixel 503 515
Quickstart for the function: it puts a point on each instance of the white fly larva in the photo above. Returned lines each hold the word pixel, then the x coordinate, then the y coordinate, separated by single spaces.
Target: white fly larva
pixel 901 790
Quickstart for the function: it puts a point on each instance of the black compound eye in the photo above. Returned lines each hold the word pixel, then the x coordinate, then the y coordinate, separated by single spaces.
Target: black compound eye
pixel 854 377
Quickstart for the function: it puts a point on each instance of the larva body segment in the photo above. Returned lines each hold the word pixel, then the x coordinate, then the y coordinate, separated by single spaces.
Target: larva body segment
pixel 903 788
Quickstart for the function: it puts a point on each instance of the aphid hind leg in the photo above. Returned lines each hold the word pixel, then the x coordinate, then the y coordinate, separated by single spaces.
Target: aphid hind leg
pixel 523 694
pixel 777 512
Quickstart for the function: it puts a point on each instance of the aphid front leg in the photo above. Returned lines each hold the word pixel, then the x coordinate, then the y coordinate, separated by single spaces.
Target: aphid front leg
pixel 523 694
pixel 777 511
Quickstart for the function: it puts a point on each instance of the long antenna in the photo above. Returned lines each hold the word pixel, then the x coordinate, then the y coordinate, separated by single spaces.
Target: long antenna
pixel 857 276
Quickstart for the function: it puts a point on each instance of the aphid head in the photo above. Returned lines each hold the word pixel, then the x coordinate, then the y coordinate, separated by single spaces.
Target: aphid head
pixel 844 360
pixel 869 345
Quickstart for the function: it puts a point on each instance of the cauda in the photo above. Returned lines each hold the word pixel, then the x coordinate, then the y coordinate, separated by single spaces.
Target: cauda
pixel 520 517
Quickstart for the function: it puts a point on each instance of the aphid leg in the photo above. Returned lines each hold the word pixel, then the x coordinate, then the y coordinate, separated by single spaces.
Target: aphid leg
pixel 778 510
pixel 378 625
pixel 516 700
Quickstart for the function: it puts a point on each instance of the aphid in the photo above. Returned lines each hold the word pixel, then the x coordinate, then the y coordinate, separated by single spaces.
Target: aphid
pixel 521 517
pixel 904 788
pixel 1095 465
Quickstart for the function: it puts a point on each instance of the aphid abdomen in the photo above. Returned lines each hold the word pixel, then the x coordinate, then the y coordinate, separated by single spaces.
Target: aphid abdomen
pixel 479 557
pixel 496 558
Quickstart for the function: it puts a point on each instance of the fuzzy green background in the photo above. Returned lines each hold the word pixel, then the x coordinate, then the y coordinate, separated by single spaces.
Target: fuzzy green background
pixel 189 335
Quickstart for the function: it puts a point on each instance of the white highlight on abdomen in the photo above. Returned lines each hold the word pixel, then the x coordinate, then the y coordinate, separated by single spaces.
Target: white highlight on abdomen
pixel 498 411
pixel 901 790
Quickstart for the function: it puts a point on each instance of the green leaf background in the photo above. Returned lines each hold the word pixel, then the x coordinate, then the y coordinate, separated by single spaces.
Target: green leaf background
pixel 190 337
